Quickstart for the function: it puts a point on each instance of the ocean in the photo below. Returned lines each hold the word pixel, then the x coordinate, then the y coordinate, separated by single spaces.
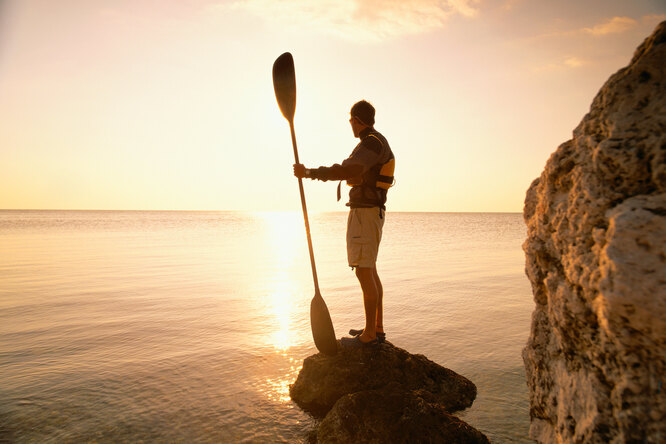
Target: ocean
pixel 128 326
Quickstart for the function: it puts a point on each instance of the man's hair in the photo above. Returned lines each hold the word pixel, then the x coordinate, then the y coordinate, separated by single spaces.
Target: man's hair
pixel 364 111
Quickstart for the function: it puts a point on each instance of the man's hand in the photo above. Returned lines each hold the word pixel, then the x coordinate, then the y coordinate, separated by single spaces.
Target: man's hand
pixel 299 170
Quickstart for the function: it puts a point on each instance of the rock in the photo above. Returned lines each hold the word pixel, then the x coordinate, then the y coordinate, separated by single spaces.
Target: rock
pixel 596 258
pixel 393 416
pixel 325 379
pixel 385 394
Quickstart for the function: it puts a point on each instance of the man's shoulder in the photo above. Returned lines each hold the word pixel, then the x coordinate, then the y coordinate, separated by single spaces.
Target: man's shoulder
pixel 374 141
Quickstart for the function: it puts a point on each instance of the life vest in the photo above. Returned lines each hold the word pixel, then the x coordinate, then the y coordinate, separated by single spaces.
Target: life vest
pixel 385 178
pixel 379 177
pixel 382 173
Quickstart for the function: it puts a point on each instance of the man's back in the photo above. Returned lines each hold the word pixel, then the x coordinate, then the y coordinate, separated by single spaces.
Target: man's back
pixel 372 152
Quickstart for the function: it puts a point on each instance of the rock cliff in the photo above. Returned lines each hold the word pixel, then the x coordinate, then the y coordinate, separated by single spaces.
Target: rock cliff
pixel 596 258
pixel 384 395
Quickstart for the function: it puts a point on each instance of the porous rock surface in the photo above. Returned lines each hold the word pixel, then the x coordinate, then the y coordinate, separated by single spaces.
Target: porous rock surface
pixel 393 416
pixel 384 395
pixel 596 258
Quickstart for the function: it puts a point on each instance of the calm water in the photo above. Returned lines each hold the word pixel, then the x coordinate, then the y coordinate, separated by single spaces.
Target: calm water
pixel 189 327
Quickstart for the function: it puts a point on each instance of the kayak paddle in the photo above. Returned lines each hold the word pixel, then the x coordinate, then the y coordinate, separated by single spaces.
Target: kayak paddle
pixel 284 83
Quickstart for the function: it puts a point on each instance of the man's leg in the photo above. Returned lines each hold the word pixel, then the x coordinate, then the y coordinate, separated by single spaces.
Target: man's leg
pixel 380 306
pixel 366 277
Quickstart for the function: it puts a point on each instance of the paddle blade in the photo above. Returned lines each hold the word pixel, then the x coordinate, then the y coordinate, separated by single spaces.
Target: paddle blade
pixel 284 83
pixel 322 327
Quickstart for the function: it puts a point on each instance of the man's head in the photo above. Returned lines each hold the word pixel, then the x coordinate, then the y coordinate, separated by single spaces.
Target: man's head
pixel 362 116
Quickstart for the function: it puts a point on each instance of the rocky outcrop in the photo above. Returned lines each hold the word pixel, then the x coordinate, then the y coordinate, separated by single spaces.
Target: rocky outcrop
pixel 393 416
pixel 596 258
pixel 384 394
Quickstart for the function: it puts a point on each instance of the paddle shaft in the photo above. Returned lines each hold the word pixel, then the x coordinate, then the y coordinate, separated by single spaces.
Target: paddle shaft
pixel 305 212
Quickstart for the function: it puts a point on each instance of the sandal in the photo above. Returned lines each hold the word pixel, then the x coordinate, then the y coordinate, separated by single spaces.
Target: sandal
pixel 381 336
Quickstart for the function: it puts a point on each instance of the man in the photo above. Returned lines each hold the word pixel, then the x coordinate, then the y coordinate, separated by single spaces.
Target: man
pixel 369 171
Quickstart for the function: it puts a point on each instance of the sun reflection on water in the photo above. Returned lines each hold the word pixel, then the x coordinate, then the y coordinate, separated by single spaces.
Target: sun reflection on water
pixel 283 231
pixel 282 307
pixel 277 389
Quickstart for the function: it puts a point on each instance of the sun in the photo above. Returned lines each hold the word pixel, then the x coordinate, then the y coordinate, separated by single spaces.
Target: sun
pixel 283 229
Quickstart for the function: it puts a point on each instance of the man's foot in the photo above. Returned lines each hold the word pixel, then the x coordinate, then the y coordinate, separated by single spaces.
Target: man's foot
pixel 356 342
pixel 381 336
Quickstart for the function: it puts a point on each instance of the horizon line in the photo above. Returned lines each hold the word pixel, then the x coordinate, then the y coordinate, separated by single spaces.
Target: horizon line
pixel 243 211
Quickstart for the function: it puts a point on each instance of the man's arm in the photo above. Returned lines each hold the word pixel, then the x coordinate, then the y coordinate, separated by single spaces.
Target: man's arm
pixel 334 172
pixel 364 156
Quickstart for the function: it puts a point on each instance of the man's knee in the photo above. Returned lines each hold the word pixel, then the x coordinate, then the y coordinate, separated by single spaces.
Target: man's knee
pixel 362 272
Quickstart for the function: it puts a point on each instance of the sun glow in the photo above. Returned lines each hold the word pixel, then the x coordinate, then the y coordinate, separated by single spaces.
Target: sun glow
pixel 284 229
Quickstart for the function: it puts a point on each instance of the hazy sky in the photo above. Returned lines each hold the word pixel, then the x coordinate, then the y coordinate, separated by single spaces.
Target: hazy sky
pixel 169 104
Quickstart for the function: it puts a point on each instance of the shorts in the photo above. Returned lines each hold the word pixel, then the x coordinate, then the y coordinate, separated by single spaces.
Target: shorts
pixel 364 232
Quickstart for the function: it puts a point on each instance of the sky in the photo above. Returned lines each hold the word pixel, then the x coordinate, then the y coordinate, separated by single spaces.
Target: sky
pixel 169 104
